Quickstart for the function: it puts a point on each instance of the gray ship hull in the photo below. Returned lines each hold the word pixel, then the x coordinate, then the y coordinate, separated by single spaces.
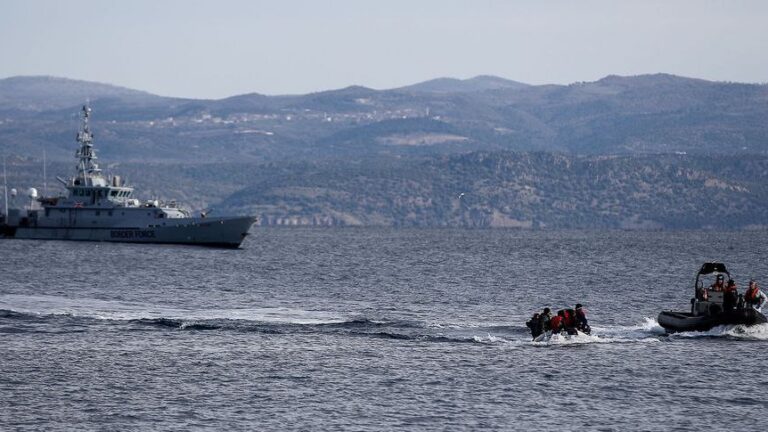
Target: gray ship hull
pixel 227 232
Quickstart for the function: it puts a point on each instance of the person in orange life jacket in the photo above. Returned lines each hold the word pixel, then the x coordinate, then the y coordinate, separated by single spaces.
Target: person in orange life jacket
pixel 582 324
pixel 719 284
pixel 730 296
pixel 556 323
pixel 569 321
pixel 754 297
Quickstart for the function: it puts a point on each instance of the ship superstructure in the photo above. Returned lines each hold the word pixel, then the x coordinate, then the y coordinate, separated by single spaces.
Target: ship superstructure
pixel 102 208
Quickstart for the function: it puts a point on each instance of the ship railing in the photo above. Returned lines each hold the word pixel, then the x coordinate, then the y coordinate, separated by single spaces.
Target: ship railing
pixel 161 204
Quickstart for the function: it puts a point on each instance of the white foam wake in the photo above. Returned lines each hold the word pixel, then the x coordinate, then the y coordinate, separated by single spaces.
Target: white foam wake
pixel 124 311
pixel 648 328
pixel 757 332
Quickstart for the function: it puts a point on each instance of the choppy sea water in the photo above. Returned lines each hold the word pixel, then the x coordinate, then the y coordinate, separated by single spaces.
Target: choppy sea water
pixel 374 329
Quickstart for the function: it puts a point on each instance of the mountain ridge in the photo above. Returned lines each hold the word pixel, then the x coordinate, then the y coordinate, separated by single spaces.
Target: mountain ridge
pixel 476 83
pixel 456 85
pixel 653 113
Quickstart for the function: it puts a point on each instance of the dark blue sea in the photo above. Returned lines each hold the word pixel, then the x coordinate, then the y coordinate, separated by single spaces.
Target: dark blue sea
pixel 374 330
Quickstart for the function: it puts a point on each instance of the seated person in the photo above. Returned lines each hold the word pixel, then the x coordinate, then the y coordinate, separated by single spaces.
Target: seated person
pixel 719 284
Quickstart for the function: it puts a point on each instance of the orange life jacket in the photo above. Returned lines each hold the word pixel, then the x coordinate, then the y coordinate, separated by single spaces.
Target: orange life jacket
pixel 569 320
pixel 556 322
pixel 751 294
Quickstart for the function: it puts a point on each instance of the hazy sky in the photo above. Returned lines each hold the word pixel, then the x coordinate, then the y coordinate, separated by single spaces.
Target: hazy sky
pixel 222 48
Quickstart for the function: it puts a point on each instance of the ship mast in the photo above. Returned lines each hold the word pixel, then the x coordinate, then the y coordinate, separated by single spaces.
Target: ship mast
pixel 87 168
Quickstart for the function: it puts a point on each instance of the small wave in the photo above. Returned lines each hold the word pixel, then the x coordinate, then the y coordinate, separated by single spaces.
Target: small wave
pixel 489 339
pixel 361 322
pixel 178 324
pixel 417 337
pixel 198 326
pixel 11 314
pixel 159 322
pixel 386 335
pixel 471 325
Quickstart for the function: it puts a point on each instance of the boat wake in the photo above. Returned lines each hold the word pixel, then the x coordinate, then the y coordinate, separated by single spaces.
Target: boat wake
pixel 757 332
pixel 126 311
pixel 48 314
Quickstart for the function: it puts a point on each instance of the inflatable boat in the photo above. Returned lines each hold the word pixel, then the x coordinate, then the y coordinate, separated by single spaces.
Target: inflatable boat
pixel 710 308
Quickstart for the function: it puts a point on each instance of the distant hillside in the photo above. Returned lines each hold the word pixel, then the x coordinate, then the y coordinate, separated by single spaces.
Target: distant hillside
pixel 501 189
pixel 453 85
pixel 40 93
pixel 647 114
pixel 524 190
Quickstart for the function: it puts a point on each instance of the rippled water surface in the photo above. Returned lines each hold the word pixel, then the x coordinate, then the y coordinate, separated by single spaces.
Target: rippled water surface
pixel 373 329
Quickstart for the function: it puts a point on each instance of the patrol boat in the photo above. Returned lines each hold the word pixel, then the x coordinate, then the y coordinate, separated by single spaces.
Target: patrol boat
pixel 101 208
pixel 708 307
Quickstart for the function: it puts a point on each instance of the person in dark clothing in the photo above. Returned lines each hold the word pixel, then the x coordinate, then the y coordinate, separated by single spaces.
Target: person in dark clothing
pixel 582 324
pixel 545 317
pixel 730 295
pixel 535 325
pixel 719 284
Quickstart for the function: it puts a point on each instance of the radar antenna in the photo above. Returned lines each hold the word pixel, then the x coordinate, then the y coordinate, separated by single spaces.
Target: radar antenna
pixel 87 167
